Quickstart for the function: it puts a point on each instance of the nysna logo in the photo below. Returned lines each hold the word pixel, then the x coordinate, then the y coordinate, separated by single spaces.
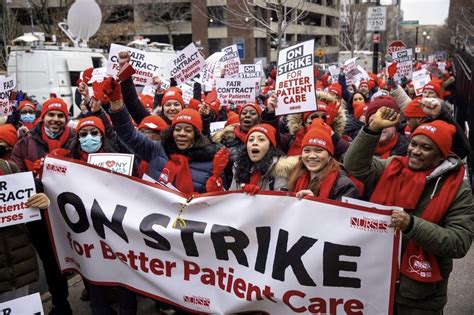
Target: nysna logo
pixel 54 105
pixel 87 123
pixel 429 128
pixel 317 141
pixel 264 130
pixel 369 224
pixel 418 265
pixel 60 169
pixel 170 93
pixel 184 117
pixel 197 301
pixel 429 87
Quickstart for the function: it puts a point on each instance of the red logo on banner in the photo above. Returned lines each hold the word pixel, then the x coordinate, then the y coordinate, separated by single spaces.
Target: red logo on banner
pixel 60 169
pixel 197 301
pixel 368 224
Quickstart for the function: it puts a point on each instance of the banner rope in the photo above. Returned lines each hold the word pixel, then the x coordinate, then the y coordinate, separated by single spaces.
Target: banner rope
pixel 179 219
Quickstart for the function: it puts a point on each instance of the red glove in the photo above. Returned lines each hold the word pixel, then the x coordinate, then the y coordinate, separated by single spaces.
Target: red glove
pixel 214 184
pixel 112 89
pixel 392 69
pixel 220 162
pixel 332 112
pixel 251 189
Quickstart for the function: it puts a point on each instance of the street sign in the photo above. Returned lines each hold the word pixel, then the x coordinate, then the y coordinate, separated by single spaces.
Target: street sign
pixel 394 46
pixel 418 49
pixel 410 22
pixel 376 38
pixel 319 53
pixel 376 19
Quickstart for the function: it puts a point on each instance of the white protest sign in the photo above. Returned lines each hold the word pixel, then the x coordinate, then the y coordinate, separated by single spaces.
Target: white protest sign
pixel 149 90
pixel 217 126
pixel 250 71
pixel 187 64
pixel 28 304
pixel 336 260
pixel 212 69
pixel 231 61
pixel 98 75
pixel 295 79
pixel 376 18
pixel 15 189
pixel 116 162
pixel 146 64
pixel 363 73
pixel 7 85
pixel 188 93
pixel 334 71
pixel 442 66
pixel 236 90
pixel 404 59
pixel 420 79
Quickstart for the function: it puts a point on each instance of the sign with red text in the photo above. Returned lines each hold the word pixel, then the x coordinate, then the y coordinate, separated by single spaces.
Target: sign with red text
pixel 146 64
pixel 420 79
pixel 187 64
pixel 29 304
pixel 236 90
pixel 295 79
pixel 404 60
pixel 15 189
pixel 115 162
pixel 313 257
pixel 231 61
pixel 7 85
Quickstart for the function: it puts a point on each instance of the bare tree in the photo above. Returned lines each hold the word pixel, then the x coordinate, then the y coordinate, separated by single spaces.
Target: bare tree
pixel 10 29
pixel 464 26
pixel 47 14
pixel 352 26
pixel 271 17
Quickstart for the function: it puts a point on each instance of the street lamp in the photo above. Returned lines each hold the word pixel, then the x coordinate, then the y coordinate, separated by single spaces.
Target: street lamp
pixel 425 37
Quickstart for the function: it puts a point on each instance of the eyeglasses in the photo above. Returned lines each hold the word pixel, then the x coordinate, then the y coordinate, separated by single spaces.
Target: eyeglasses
pixel 23 112
pixel 93 133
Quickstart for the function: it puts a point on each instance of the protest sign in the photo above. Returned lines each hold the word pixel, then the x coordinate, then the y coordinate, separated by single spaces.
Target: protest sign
pixel 116 162
pixel 188 93
pixel 231 61
pixel 338 259
pixel 149 90
pixel 236 90
pixel 29 304
pixel 15 189
pixel 7 85
pixel 404 59
pixel 187 64
pixel 420 79
pixel 295 79
pixel 250 71
pixel 212 70
pixel 146 64
pixel 334 71
pixel 217 126
pixel 98 75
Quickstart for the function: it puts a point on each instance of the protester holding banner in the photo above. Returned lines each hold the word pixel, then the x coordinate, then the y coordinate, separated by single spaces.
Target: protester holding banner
pixel 439 211
pixel 317 172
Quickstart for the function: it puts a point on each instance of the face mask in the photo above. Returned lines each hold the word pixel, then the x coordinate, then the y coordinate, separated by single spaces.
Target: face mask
pixel 91 144
pixel 52 135
pixel 27 118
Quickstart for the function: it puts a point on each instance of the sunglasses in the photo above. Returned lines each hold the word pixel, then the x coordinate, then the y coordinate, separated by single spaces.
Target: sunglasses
pixel 93 133
pixel 23 112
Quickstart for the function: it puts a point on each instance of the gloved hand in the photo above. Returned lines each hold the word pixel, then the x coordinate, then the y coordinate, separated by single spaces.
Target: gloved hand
pixel 220 162
pixel 112 89
pixel 332 112
pixel 251 189
pixel 214 184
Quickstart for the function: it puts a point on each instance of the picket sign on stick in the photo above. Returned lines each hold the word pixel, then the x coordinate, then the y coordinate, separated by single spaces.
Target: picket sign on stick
pixel 295 79
pixel 404 64
pixel 236 90
pixel 231 61
pixel 7 85
pixel 314 256
pixel 187 64
pixel 420 79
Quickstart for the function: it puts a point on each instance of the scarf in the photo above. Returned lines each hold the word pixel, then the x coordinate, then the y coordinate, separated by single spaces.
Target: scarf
pixel 327 183
pixel 255 178
pixel 384 150
pixel 242 136
pixel 54 144
pixel 143 168
pixel 400 186
pixel 295 148
pixel 178 173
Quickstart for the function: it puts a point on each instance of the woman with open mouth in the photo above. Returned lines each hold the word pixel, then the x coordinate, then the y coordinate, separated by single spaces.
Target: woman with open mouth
pixel 317 172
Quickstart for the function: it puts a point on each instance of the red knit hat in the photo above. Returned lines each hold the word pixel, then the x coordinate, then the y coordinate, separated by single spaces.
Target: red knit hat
pixel 153 122
pixel 195 104
pixel 359 109
pixel 322 107
pixel 91 121
pixel 440 132
pixel 172 95
pixel 147 101
pixel 257 108
pixel 336 89
pixel 55 104
pixel 189 116
pixel 267 130
pixel 8 134
pixel 414 109
pixel 378 102
pixel 363 82
pixel 26 103
pixel 432 86
pixel 319 135
pixel 232 118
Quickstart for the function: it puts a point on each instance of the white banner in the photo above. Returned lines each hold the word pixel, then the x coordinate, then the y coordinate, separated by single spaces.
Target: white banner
pixel 420 79
pixel 278 255
pixel 295 79
pixel 7 85
pixel 29 304
pixel 404 59
pixel 231 61
pixel 236 90
pixel 187 64
pixel 115 162
pixel 15 189
pixel 250 71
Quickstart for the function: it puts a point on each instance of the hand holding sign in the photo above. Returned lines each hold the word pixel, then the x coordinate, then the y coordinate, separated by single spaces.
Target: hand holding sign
pixel 40 201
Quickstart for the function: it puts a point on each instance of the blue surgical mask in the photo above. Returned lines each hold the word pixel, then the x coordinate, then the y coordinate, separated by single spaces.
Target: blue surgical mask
pixel 27 118
pixel 52 135
pixel 91 144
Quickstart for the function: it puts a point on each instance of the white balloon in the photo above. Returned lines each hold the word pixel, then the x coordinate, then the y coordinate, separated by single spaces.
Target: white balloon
pixel 84 18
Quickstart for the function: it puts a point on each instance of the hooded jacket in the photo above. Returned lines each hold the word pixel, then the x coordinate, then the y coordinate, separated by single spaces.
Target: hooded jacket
pixel 450 238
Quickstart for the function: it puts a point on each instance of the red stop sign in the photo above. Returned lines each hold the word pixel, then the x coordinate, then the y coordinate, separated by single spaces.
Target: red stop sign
pixel 394 46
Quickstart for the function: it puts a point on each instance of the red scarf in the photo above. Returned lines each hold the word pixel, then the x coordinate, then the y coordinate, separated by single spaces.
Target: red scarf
pixel 255 178
pixel 242 136
pixel 400 186
pixel 143 168
pixel 384 150
pixel 54 144
pixel 295 148
pixel 326 186
pixel 177 172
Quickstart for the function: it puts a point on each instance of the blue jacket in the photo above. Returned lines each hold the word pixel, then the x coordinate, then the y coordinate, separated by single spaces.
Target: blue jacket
pixel 156 154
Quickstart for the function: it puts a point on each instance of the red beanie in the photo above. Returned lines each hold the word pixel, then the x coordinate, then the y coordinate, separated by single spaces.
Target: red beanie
pixel 336 89
pixel 8 134
pixel 147 101
pixel 54 104
pixel 194 104
pixel 319 135
pixel 189 116
pixel 153 122
pixel 322 107
pixel 267 130
pixel 359 109
pixel 414 109
pixel 257 108
pixel 232 118
pixel 432 86
pixel 26 103
pixel 440 132
pixel 91 121
pixel 378 102
pixel 363 82
pixel 172 95
pixel 175 89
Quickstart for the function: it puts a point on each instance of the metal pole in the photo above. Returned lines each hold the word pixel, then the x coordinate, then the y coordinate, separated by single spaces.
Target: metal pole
pixel 375 59
pixel 416 43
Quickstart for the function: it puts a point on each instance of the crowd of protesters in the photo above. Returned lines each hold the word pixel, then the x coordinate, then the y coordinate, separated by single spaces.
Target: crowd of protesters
pixel 377 141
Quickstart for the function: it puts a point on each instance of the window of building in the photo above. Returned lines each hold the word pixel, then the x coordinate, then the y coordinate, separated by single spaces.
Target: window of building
pixel 216 44
pixel 311 19
pixel 216 16
pixel 260 47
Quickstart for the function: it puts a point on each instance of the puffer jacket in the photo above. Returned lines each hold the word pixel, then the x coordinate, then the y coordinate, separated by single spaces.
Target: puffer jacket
pixel 227 138
pixel 450 238
pixel 343 187
pixel 155 154
pixel 18 266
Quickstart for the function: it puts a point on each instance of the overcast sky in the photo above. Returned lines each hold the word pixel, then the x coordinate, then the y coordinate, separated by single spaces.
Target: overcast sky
pixel 425 11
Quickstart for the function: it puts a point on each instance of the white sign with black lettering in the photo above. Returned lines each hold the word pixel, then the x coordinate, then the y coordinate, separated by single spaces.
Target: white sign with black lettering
pixel 187 64
pixel 231 61
pixel 7 85
pixel 376 18
pixel 420 79
pixel 404 59
pixel 250 71
pixel 236 90
pixel 28 304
